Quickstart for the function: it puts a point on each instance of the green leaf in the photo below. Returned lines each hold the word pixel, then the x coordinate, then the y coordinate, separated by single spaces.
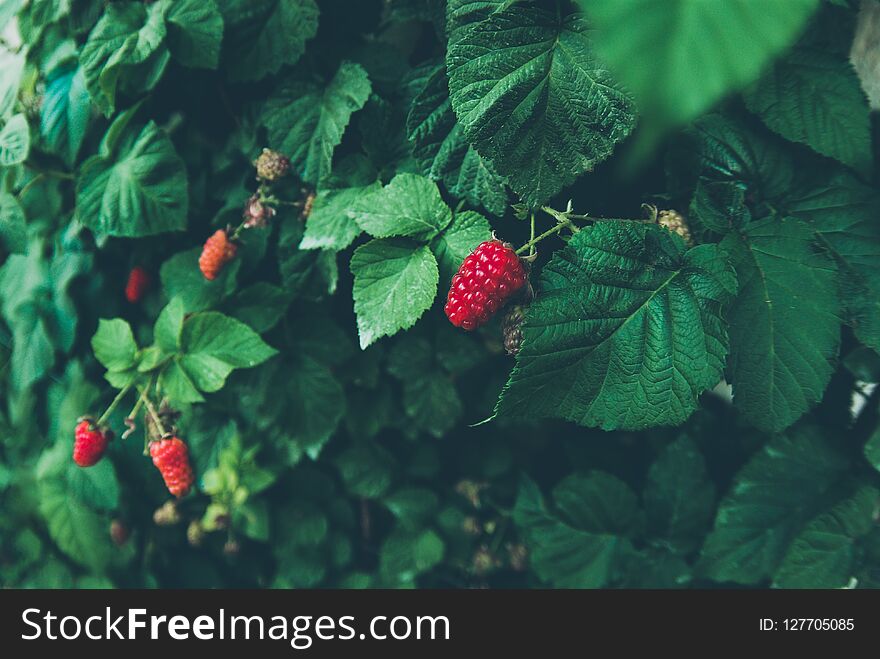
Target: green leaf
pixel 33 353
pixel 212 345
pixel 531 97
pixel 432 403
pixel 443 152
pixel 560 554
pixel 627 330
pixel 13 225
pixel 815 98
pixel 681 56
pixel 15 140
pixel 169 324
pixel 784 329
pixel 182 278
pixel 261 36
pixel 872 450
pixel 77 530
pixel 597 502
pixel 780 487
pixel 126 36
pixel 842 211
pixel 11 70
pixel 306 120
pixel 413 506
pixel 366 469
pixel 460 238
pixel 394 284
pixel 407 554
pixel 679 497
pixel 176 384
pixel 329 225
pixel 65 113
pixel 824 554
pixel 409 206
pixel 142 192
pixel 716 148
pixel 114 344
pixel 261 306
pixel 195 31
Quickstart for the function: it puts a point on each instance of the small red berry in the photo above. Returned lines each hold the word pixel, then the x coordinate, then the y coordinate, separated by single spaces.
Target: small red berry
pixel 217 252
pixel 171 458
pixel 118 532
pixel 488 278
pixel 89 443
pixel 138 282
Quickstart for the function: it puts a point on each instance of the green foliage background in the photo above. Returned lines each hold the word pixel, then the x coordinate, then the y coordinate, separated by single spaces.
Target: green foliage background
pixel 331 410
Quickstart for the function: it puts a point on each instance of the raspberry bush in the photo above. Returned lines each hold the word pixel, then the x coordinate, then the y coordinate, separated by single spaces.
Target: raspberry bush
pixel 234 234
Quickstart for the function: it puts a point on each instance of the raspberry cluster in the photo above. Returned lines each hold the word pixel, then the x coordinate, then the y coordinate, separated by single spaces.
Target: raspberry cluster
pixel 488 278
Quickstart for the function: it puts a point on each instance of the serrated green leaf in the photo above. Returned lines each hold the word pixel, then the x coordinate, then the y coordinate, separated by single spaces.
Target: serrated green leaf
pixel 824 554
pixel 780 487
pixel 169 324
pixel 13 225
pixel 784 328
pixel 460 238
pixel 329 225
pixel 11 70
pixel 114 344
pixel 195 31
pixel 394 284
pixel 681 56
pixel 560 554
pixel 305 121
pixel 443 153
pixel 65 113
pixel 413 506
pixel 15 140
pixel 815 98
pixel 213 345
pixel 531 97
pixel 679 497
pixel 410 205
pixel 126 36
pixel 33 353
pixel 176 384
pixel 626 332
pixel 261 36
pixel 842 212
pixel 142 192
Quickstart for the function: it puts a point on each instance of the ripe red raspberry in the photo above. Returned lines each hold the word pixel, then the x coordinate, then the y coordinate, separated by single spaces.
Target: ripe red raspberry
pixel 138 282
pixel 89 443
pixel 218 251
pixel 171 458
pixel 489 276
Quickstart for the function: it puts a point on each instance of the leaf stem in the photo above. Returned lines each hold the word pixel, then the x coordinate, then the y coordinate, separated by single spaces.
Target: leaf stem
pixel 114 403
pixel 151 410
pixel 549 232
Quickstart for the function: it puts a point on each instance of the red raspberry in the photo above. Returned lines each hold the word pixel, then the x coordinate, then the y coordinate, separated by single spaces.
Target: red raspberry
pixel 89 443
pixel 171 458
pixel 489 276
pixel 138 282
pixel 218 251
